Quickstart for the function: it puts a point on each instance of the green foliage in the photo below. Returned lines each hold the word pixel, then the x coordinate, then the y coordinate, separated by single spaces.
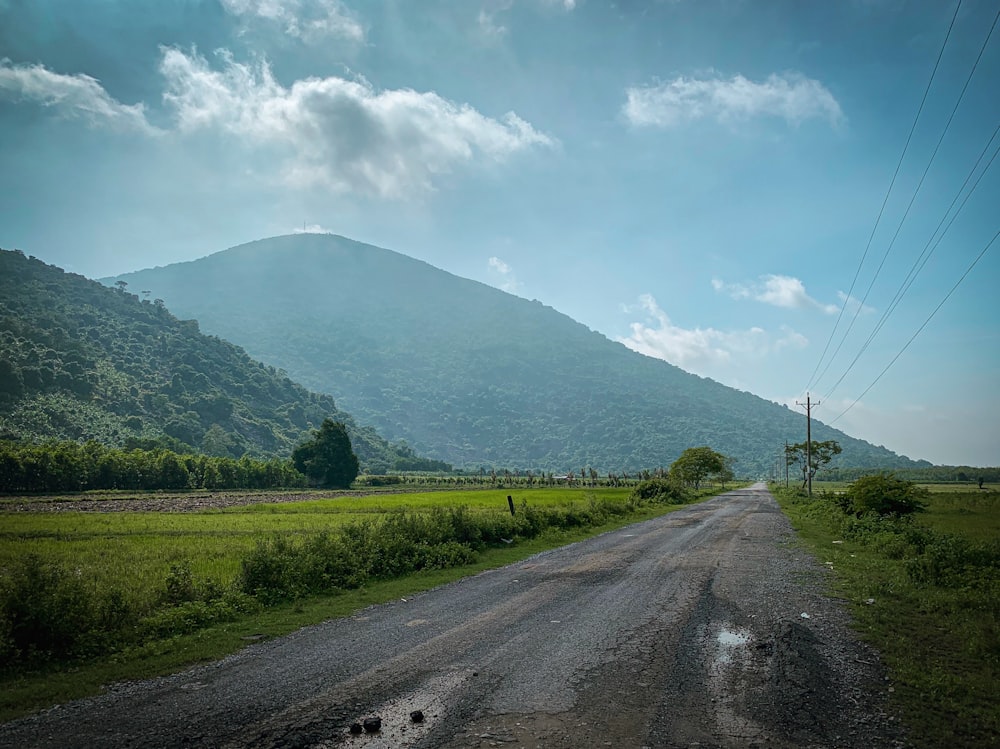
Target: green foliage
pixel 815 454
pixel 70 467
pixel 328 458
pixel 697 464
pixel 47 611
pixel 466 373
pixel 884 494
pixel 660 490
pixel 80 362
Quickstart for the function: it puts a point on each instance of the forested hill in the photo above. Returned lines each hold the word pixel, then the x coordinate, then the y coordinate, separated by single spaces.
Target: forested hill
pixel 81 361
pixel 467 373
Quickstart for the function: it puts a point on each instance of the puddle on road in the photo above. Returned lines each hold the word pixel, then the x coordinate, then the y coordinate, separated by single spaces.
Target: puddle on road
pixel 729 640
pixel 728 679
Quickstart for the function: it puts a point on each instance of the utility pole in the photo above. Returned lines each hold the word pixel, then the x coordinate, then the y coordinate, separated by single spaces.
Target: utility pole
pixel 786 464
pixel 808 405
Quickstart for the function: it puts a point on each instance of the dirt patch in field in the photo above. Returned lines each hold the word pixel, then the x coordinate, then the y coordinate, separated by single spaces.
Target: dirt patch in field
pixel 186 502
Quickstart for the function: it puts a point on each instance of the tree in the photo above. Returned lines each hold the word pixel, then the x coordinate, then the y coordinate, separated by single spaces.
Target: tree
pixel 328 458
pixel 696 464
pixel 820 454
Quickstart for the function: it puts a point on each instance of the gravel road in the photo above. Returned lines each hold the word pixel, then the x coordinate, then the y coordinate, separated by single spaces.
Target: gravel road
pixel 703 628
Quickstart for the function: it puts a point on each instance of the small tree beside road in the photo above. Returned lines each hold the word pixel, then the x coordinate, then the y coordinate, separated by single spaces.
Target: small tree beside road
pixel 819 455
pixel 697 464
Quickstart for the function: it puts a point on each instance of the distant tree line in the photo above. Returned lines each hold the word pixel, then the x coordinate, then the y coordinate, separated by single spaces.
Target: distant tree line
pixel 934 474
pixel 66 466
pixel 326 460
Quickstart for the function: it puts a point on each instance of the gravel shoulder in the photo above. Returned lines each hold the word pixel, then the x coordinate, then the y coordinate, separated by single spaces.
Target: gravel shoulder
pixel 686 630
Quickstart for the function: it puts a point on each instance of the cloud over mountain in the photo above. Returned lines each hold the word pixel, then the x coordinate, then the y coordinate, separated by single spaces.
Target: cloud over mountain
pixel 706 351
pixel 340 133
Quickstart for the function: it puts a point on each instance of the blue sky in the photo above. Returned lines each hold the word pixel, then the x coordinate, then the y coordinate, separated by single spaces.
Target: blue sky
pixel 702 181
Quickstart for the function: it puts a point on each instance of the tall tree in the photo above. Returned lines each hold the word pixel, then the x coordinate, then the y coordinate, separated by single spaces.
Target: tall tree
pixel 328 458
pixel 696 464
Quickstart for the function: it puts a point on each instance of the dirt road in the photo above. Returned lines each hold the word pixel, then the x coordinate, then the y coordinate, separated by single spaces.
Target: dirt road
pixel 703 628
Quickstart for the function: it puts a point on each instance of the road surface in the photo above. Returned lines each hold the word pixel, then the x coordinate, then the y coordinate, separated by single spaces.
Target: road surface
pixel 707 627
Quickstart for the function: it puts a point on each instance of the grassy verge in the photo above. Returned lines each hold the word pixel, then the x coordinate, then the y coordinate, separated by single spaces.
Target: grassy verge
pixel 189 617
pixel 926 593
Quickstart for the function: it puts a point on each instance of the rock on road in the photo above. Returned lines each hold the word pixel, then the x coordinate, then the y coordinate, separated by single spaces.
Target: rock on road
pixel 706 627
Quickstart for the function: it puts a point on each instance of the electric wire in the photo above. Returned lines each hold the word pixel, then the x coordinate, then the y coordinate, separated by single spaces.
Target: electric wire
pixel 885 200
pixel 925 255
pixel 899 227
pixel 924 325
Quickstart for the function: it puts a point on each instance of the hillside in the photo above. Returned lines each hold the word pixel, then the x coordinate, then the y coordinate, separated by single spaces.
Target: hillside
pixel 81 361
pixel 467 373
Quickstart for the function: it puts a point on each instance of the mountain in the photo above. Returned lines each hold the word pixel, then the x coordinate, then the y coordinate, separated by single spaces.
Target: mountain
pixel 467 373
pixel 81 361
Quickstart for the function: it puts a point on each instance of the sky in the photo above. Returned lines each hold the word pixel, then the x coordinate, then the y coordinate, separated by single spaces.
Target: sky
pixel 788 197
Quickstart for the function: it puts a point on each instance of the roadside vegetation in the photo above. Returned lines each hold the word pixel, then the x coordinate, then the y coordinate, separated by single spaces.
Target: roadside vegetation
pixel 921 570
pixel 90 596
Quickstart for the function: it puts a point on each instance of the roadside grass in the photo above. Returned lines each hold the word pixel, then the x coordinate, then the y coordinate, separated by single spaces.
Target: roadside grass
pixel 143 555
pixel 926 593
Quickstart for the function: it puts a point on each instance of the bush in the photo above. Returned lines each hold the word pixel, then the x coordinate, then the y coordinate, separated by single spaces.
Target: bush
pixel 956 561
pixel 660 490
pixel 191 616
pixel 884 494
pixel 47 611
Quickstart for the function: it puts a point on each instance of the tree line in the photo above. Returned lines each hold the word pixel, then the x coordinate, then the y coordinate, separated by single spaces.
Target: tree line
pixel 66 466
pixel 326 459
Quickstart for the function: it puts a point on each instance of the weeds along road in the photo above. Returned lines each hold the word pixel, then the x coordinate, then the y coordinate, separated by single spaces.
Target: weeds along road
pixel 686 630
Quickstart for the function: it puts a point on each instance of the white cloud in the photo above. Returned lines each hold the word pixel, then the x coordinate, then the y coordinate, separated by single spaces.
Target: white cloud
pixel 340 133
pixel 790 96
pixel 309 20
pixel 779 291
pixel 73 96
pixel 311 229
pixel 505 274
pixel 705 351
pixel 853 304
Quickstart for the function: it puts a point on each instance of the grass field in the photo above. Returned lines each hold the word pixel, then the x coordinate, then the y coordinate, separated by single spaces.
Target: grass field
pixel 926 594
pixel 135 554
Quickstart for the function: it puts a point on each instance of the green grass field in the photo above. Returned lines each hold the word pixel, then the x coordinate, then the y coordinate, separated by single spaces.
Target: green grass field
pixel 926 594
pixel 133 552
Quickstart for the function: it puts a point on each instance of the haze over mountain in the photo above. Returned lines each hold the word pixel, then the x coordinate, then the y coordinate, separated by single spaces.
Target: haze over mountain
pixel 81 361
pixel 466 373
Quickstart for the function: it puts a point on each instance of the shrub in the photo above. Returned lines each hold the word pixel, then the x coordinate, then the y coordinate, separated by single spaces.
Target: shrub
pixel 956 561
pixel 191 616
pixel 45 610
pixel 660 490
pixel 884 494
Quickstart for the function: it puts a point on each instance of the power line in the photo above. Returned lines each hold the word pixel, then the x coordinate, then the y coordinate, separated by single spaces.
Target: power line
pixel 912 337
pixel 925 255
pixel 906 213
pixel 885 200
